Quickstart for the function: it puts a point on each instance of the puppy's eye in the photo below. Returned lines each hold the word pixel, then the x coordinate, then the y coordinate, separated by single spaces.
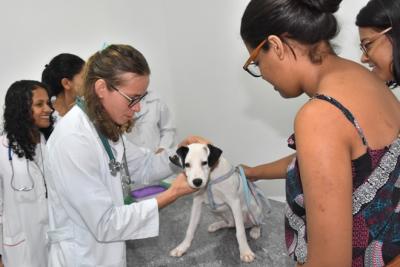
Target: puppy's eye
pixel 203 163
pixel 187 165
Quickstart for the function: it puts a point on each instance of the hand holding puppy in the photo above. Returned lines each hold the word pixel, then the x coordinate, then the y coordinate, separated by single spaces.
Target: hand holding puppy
pixel 178 188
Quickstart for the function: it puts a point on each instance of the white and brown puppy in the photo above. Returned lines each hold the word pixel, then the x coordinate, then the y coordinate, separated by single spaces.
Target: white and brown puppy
pixel 222 188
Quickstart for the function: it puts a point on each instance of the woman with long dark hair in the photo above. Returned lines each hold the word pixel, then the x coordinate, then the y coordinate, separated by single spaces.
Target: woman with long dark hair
pixel 24 217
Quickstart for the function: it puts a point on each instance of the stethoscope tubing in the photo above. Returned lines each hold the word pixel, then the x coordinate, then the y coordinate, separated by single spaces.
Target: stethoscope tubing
pixel 22 188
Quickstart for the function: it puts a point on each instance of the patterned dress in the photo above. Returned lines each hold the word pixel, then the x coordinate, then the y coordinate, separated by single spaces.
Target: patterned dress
pixel 376 203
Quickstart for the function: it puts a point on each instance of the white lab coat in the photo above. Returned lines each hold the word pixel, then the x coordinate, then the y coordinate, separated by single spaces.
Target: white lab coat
pixel 56 118
pixel 23 215
pixel 154 126
pixel 89 222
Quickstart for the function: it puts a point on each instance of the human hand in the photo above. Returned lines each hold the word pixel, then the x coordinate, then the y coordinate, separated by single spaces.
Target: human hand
pixel 181 187
pixel 193 139
pixel 159 150
pixel 248 172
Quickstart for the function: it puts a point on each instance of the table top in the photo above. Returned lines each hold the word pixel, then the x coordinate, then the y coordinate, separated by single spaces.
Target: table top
pixel 209 249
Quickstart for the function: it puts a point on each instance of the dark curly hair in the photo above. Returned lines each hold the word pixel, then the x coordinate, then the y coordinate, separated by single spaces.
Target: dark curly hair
pixel 18 120
pixel 108 64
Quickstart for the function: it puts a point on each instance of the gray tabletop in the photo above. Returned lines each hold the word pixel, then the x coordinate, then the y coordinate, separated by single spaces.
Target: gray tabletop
pixel 209 249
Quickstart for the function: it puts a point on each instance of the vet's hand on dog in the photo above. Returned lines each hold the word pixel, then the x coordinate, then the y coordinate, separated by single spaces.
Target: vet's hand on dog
pixel 178 188
pixel 181 187
pixel 193 139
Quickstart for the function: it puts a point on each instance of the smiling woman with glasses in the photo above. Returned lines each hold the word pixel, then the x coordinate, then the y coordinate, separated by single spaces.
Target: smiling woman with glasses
pixel 379 30
pixel 92 166
pixel 366 43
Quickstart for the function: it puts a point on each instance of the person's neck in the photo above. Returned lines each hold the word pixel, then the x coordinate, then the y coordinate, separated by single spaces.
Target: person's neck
pixel 315 75
pixel 35 136
pixel 64 103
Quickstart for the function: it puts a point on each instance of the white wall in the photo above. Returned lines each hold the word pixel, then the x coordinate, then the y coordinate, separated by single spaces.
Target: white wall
pixel 195 53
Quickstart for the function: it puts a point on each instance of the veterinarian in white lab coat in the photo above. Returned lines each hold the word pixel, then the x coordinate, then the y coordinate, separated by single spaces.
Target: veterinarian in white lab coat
pixel 23 207
pixel 91 162
pixel 154 126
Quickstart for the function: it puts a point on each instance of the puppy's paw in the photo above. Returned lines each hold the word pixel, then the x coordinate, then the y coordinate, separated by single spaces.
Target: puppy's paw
pixel 247 256
pixel 218 225
pixel 255 232
pixel 178 251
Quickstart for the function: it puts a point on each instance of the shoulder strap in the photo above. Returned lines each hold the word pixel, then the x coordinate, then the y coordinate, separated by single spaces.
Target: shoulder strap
pixel 346 112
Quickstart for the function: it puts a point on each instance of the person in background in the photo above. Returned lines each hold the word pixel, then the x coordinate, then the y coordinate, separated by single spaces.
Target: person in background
pixel 379 30
pixel 92 165
pixel 63 75
pixel 342 184
pixel 153 125
pixel 23 195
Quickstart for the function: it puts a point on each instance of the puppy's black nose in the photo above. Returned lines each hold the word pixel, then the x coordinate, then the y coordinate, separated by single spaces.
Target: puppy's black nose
pixel 197 182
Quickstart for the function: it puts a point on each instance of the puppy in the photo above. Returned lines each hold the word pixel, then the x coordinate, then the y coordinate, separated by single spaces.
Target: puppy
pixel 229 195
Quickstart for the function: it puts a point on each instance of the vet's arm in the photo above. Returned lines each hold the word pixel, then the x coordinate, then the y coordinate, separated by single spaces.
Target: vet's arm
pixel 179 188
pixel 269 171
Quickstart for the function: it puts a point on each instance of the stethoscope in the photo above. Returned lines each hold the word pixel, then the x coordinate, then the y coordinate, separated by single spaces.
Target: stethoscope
pixel 22 188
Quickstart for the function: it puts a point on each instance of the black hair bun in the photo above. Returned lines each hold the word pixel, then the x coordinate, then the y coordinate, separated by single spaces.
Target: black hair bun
pixel 324 6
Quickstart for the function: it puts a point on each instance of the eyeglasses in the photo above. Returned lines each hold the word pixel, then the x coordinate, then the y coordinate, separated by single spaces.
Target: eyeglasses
pixel 132 101
pixel 252 67
pixel 365 46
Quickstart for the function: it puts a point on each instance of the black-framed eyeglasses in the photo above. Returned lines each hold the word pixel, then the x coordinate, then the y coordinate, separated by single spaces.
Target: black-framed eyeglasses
pixel 252 67
pixel 365 45
pixel 131 101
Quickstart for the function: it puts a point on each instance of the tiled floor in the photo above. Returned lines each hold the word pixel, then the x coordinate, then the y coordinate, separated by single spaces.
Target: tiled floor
pixel 209 249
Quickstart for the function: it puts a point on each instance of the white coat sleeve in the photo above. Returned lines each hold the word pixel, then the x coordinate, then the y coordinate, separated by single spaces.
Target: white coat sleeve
pixel 167 127
pixel 145 166
pixel 76 173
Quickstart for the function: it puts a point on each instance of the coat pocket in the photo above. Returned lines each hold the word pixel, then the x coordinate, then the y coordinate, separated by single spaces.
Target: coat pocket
pixel 63 254
pixel 15 250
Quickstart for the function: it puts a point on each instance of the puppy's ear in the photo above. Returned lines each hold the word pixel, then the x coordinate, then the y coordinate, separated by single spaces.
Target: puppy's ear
pixel 182 152
pixel 175 160
pixel 214 155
